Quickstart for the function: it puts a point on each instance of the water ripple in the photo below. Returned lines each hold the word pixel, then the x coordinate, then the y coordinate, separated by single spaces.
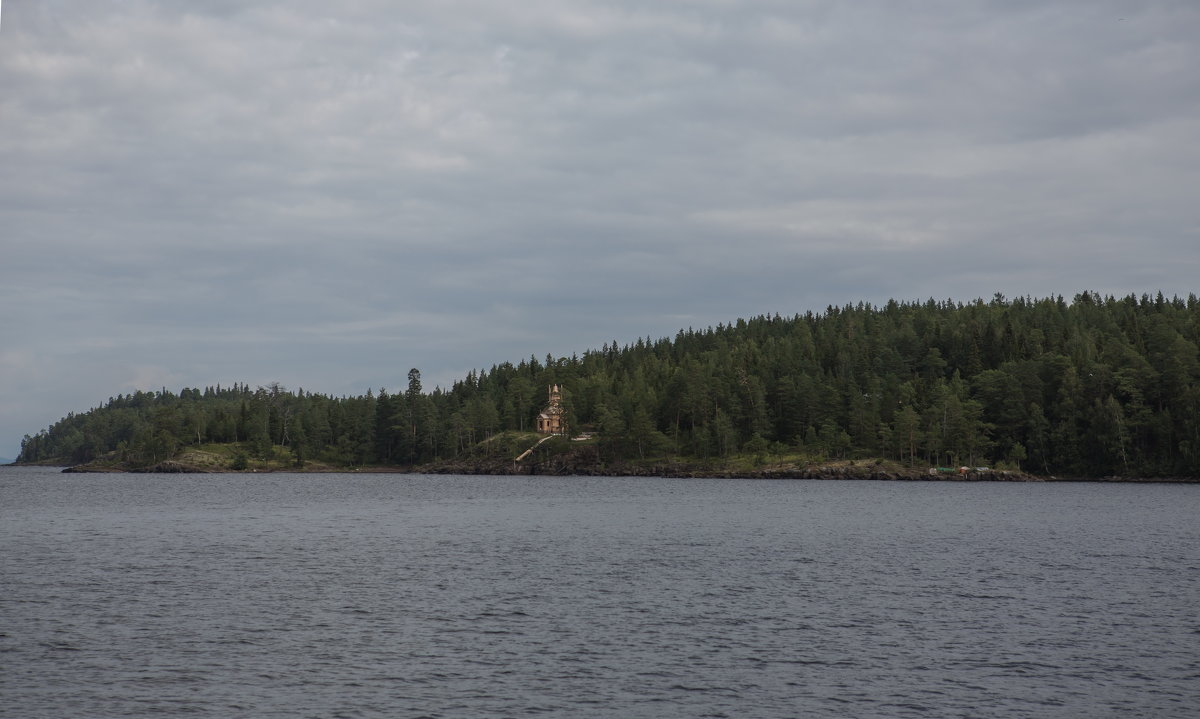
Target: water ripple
pixel 453 597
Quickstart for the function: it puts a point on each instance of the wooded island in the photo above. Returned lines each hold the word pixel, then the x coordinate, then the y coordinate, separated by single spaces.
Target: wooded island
pixel 1092 387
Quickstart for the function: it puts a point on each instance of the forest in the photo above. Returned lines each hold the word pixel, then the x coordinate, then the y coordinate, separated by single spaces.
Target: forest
pixel 1091 387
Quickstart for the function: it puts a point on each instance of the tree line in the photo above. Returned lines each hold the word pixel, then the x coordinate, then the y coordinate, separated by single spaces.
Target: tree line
pixel 1094 386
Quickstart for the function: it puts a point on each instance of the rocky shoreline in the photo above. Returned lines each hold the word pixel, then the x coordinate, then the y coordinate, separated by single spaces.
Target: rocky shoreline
pixel 572 466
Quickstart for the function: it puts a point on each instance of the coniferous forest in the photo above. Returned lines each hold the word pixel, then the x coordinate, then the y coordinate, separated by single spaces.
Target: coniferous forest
pixel 1095 386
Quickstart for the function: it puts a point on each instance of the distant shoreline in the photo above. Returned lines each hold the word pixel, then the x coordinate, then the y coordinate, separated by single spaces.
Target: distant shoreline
pixel 852 470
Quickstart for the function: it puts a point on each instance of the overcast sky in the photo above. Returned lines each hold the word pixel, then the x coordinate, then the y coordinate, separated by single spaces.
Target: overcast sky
pixel 326 194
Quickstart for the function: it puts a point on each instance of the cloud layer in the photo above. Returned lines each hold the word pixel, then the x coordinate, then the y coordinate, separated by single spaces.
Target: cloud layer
pixel 326 194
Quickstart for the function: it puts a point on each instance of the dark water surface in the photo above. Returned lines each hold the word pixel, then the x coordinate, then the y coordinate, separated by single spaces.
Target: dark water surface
pixel 411 596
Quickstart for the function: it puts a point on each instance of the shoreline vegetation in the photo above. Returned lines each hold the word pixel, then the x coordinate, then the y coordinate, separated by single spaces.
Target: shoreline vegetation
pixel 583 459
pixel 1022 388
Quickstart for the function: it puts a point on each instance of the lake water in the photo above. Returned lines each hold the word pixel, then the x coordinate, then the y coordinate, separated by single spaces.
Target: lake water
pixel 412 596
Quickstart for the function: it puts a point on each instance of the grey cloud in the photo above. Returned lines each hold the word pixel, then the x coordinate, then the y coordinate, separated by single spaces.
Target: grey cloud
pixel 327 194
